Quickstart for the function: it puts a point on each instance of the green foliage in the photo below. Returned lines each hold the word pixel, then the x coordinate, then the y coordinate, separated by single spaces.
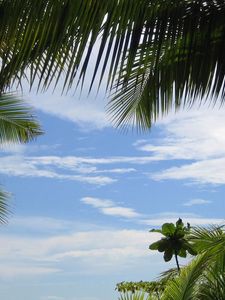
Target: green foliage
pixel 135 296
pixel 201 279
pixel 186 285
pixel 174 241
pixel 4 206
pixel 17 125
pixel 157 55
pixel 141 286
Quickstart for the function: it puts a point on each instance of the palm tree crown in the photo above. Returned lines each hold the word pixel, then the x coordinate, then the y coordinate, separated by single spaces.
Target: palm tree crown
pixel 174 241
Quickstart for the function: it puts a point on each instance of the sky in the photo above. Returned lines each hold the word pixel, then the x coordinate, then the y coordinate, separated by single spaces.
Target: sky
pixel 85 195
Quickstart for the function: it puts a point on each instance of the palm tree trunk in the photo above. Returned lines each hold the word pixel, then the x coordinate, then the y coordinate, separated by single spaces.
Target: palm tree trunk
pixel 177 263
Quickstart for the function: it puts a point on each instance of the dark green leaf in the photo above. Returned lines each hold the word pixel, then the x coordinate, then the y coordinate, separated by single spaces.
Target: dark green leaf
pixel 168 229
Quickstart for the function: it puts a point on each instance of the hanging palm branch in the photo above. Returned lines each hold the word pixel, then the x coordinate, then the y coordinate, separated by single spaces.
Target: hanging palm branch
pixel 157 55
pixel 17 125
pixel 4 206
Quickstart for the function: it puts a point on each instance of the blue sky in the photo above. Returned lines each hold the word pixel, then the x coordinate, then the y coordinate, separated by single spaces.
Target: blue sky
pixel 84 196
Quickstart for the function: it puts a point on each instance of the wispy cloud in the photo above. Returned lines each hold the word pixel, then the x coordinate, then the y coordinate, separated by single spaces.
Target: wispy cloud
pixel 206 171
pixel 96 202
pixel 109 207
pixel 193 221
pixel 197 136
pixel 82 169
pixel 172 217
pixel 193 135
pixel 193 202
pixel 30 167
pixel 108 249
pixel 120 211
pixel 87 114
pixel 100 250
pixel 73 161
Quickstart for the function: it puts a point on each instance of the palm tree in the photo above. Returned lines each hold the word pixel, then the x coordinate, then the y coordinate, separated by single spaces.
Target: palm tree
pixel 204 277
pixel 17 125
pixel 174 241
pixel 157 55
pixel 201 279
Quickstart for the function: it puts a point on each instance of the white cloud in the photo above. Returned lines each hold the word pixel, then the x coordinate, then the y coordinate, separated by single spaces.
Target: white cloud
pixel 172 217
pixel 29 167
pixel 87 251
pixel 192 221
pixel 109 207
pixel 196 134
pixel 74 161
pixel 96 202
pixel 206 171
pixel 88 114
pixel 120 212
pixel 81 169
pixel 140 142
pixel 117 171
pixel 196 202
pixel 13 148
pixel 111 249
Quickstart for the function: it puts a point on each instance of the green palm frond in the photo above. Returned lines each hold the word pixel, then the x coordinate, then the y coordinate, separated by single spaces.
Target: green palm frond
pixel 168 275
pixel 213 286
pixel 204 275
pixel 16 121
pixel 135 296
pixel 208 239
pixel 4 206
pixel 185 286
pixel 157 55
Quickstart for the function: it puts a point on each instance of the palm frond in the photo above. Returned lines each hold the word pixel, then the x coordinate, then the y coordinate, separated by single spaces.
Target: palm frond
pixel 16 121
pixel 212 286
pixel 185 286
pixel 168 275
pixel 157 55
pixel 4 206
pixel 135 296
pixel 208 239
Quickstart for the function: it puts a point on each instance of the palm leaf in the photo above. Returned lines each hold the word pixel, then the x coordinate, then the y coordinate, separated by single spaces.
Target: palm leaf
pixel 16 121
pixel 4 206
pixel 157 55
pixel 135 296
pixel 213 286
pixel 208 239
pixel 185 287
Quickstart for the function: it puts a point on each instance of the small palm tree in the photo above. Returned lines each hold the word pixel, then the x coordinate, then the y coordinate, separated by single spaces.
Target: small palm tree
pixel 174 241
